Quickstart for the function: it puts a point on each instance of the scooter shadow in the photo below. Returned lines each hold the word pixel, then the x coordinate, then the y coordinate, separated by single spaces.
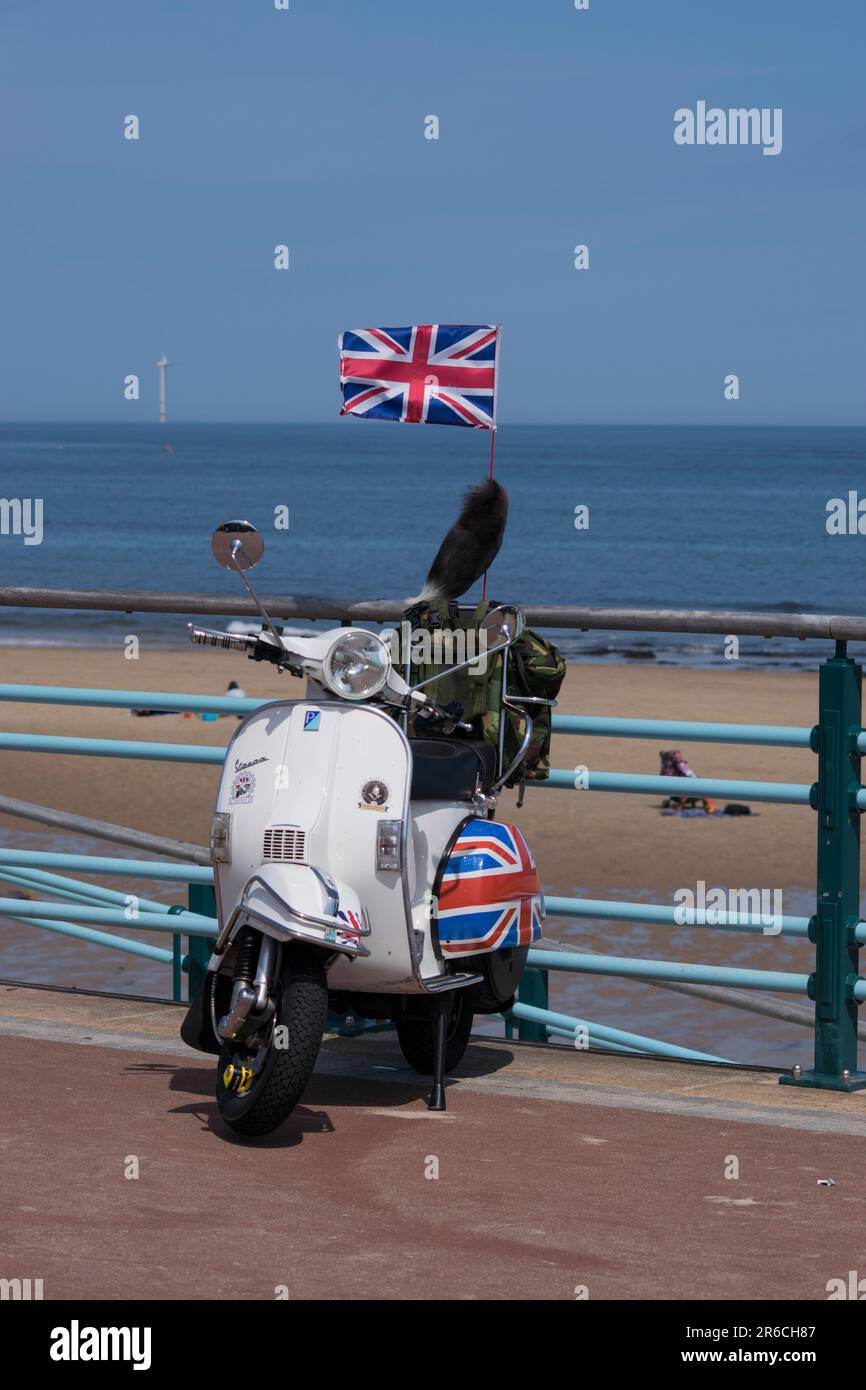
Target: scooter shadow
pixel 385 1058
pixel 394 1086
pixel 293 1132
pixel 331 1093
pixel 199 1082
pixel 323 1094
pixel 385 1080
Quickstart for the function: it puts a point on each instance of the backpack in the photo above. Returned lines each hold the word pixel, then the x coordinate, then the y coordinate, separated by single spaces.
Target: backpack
pixel 535 667
pixel 451 638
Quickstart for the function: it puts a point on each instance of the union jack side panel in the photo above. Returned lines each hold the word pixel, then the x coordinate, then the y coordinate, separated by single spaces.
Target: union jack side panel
pixel 426 373
pixel 489 896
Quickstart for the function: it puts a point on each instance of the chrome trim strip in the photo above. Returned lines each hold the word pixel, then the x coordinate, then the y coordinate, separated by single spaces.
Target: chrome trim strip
pixel 309 918
pixel 329 889
pixel 521 753
pixel 440 983
pixel 503 695
pixel 298 932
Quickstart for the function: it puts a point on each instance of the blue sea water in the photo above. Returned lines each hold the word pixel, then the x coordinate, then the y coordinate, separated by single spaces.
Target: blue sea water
pixel 678 517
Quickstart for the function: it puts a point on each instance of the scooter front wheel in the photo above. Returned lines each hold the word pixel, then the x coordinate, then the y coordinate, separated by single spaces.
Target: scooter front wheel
pixel 257 1089
pixel 416 1036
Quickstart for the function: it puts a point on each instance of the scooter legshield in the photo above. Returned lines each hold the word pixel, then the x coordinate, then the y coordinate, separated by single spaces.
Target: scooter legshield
pixel 489 895
pixel 305 787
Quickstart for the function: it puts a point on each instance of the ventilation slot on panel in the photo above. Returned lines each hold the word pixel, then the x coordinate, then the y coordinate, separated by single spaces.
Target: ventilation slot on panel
pixel 285 842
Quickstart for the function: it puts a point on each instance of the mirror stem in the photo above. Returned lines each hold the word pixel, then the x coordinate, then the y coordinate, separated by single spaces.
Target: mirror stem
pixel 254 596
pixel 473 661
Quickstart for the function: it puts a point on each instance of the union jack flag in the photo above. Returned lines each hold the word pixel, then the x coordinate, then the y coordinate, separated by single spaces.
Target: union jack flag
pixel 431 373
pixel 489 896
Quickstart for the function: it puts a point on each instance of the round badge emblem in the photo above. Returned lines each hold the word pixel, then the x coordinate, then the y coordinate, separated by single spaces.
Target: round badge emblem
pixel 374 793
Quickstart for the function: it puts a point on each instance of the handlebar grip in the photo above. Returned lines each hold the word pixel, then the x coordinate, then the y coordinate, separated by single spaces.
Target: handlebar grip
pixel 228 641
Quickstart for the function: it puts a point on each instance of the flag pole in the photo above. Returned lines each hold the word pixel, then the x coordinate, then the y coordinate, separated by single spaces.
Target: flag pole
pixel 493 433
pixel 492 452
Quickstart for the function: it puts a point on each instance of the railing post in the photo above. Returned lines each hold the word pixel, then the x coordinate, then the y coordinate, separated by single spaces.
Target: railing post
pixel 832 929
pixel 176 966
pixel 533 989
pixel 201 898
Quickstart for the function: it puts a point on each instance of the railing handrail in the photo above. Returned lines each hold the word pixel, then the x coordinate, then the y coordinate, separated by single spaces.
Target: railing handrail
pixel 828 626
pixel 696 731
pixel 104 830
pixel 767 735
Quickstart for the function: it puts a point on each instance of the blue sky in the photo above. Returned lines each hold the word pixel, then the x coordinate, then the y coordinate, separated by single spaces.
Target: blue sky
pixel 306 127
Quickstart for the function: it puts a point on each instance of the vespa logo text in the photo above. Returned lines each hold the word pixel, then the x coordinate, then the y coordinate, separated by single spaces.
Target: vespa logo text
pixel 239 766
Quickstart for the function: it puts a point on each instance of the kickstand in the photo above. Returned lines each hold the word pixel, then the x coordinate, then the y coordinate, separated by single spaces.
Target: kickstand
pixel 438 1019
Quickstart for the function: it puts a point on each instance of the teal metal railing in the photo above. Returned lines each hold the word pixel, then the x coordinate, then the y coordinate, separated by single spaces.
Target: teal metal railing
pixel 835 929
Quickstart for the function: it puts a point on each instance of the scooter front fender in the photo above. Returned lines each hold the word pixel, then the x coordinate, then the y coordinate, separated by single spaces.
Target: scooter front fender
pixel 297 902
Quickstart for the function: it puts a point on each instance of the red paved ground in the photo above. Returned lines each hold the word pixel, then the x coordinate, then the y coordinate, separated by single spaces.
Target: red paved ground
pixel 533 1197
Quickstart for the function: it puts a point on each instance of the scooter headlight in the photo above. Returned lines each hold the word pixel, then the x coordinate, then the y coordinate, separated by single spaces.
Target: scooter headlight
pixel 357 665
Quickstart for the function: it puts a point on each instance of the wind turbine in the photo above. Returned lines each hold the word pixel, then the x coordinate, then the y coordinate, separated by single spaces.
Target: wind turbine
pixel 162 364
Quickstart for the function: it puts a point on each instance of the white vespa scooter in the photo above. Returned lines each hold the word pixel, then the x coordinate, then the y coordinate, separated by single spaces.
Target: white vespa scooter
pixel 355 867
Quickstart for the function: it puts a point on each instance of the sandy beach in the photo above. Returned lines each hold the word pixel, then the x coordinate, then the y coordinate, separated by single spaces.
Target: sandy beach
pixel 593 845
pixel 610 841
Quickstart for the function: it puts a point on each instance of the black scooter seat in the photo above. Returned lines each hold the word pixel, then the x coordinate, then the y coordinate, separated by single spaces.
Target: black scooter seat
pixel 451 769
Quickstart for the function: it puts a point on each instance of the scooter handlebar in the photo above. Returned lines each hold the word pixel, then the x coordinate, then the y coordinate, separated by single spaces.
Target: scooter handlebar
pixel 255 647
pixel 229 641
pixel 449 718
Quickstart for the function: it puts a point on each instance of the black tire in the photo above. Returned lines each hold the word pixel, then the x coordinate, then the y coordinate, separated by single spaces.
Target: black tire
pixel 416 1037
pixel 280 1077
pixel 502 971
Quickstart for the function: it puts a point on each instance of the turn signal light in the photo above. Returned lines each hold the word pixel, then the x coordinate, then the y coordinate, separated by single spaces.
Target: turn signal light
pixel 389 844
pixel 220 838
